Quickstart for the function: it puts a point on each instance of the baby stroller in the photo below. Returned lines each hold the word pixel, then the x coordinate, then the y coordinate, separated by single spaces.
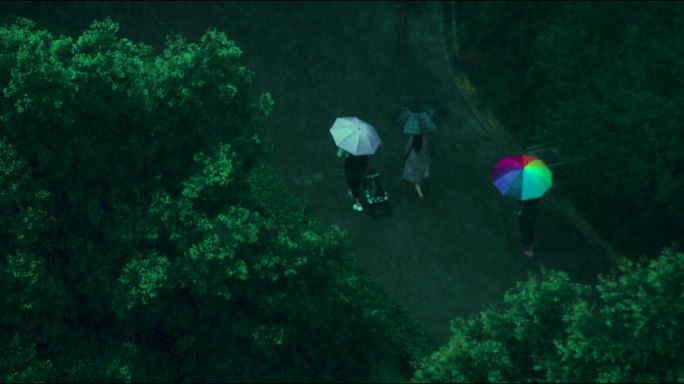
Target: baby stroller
pixel 376 196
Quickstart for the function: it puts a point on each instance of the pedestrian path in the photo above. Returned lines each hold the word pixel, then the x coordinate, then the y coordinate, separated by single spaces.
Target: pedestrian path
pixel 458 251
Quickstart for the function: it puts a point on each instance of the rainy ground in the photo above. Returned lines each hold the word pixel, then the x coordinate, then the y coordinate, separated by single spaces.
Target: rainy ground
pixel 451 255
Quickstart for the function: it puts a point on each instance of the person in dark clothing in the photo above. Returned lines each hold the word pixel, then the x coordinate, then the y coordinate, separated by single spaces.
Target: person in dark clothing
pixel 417 164
pixel 528 215
pixel 354 169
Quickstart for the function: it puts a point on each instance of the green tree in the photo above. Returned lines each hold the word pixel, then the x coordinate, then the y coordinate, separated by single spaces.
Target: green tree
pixel 30 302
pixel 554 330
pixel 636 336
pixel 146 240
pixel 518 344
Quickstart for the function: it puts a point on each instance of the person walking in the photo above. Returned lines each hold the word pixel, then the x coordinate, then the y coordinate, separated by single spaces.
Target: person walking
pixel 354 169
pixel 417 165
pixel 528 215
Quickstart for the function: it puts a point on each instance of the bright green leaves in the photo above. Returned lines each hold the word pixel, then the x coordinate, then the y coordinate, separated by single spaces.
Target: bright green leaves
pixel 219 257
pixel 35 62
pixel 30 299
pixel 23 280
pixel 99 36
pixel 466 359
pixel 21 204
pixel 240 224
pixel 216 44
pixel 553 333
pixel 19 364
pixel 643 311
pixel 144 278
pixel 216 171
pixel 116 62
pixel 100 56
pixel 516 345
pixel 210 68
pixel 266 103
pixel 23 269
pixel 61 49
pixel 211 248
pixel 10 167
pixel 216 50
pixel 538 305
pixel 27 291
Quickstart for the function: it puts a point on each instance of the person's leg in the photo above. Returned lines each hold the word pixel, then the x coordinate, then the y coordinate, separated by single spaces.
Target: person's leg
pixel 518 211
pixel 355 188
pixel 419 191
pixel 350 183
pixel 526 238
pixel 527 223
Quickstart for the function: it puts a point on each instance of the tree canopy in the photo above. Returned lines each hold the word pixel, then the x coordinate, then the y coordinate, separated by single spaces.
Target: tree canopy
pixel 625 329
pixel 145 239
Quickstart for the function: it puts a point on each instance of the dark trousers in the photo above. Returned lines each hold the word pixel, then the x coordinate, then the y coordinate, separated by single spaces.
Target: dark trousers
pixel 354 168
pixel 528 217
pixel 354 184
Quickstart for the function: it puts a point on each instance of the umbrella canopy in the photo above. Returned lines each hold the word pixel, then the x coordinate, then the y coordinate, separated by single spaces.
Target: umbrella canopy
pixel 522 177
pixel 419 117
pixel 355 136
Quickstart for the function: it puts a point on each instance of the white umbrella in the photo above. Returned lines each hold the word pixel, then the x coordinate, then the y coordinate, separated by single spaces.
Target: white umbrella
pixel 355 136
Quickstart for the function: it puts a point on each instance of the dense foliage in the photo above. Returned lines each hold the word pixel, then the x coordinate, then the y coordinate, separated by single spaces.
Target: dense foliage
pixel 603 82
pixel 143 239
pixel 552 331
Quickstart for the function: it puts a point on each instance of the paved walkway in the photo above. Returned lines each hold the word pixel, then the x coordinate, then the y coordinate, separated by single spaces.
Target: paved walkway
pixel 459 251
pixel 451 256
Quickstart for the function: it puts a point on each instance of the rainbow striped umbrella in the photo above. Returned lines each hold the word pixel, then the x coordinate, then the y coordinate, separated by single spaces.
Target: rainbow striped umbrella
pixel 522 177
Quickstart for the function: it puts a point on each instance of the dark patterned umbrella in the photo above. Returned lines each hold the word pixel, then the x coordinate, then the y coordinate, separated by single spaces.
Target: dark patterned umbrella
pixel 419 117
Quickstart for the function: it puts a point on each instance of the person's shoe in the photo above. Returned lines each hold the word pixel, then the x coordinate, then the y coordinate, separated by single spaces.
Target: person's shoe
pixel 528 252
pixel 357 207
